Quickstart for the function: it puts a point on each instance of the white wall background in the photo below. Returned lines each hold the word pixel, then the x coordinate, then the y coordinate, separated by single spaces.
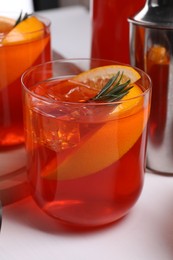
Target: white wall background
pixel 27 5
pixel 16 5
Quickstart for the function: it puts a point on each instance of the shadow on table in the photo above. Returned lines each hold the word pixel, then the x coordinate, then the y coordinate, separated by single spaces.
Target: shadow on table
pixel 26 213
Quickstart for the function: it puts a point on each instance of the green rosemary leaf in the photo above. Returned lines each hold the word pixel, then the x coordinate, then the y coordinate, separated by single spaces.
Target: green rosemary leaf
pixel 121 96
pixel 20 19
pixel 119 88
pixel 25 16
pixel 120 78
pixel 114 90
pixel 127 89
pixel 107 86
pixel 111 98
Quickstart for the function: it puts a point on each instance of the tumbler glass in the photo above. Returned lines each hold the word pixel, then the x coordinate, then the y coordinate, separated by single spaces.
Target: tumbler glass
pixel 85 160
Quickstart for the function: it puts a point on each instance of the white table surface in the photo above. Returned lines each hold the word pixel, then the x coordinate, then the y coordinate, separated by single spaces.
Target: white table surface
pixel 146 233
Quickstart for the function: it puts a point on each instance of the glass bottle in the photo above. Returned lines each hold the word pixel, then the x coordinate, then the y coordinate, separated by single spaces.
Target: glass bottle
pixel 110 29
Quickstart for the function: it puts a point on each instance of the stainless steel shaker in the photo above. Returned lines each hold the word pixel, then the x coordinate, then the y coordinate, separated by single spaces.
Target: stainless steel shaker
pixel 151 49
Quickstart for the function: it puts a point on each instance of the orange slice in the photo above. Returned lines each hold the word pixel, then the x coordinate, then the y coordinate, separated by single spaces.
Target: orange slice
pixel 28 30
pixel 112 140
pixel 129 104
pixel 103 148
pixel 6 24
pixel 12 53
pixel 96 77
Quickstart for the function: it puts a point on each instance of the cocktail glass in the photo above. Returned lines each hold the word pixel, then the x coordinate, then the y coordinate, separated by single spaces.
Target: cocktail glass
pixel 18 52
pixel 85 160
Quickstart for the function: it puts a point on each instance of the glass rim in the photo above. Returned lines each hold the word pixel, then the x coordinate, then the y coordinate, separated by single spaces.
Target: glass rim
pixel 64 60
pixel 45 20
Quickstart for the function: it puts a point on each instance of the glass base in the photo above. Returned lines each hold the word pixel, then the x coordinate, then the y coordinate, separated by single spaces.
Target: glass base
pixel 13 179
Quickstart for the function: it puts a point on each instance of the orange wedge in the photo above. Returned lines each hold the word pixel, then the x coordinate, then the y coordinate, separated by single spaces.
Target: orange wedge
pixel 28 30
pixel 113 139
pixel 129 104
pixel 6 24
pixel 96 77
pixel 11 52
pixel 104 147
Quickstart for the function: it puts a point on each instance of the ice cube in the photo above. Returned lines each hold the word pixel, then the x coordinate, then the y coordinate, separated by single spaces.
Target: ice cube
pixel 54 133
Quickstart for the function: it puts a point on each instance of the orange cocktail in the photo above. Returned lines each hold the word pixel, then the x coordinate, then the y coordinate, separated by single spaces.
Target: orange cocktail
pixel 86 157
pixel 21 46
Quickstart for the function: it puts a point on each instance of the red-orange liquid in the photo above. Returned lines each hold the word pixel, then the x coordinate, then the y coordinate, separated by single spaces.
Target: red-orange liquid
pixel 157 67
pixel 93 200
pixel 110 29
pixel 14 60
pixel 97 198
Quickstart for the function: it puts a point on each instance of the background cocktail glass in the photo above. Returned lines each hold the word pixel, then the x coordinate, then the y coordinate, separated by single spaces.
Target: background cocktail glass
pixel 86 161
pixel 16 55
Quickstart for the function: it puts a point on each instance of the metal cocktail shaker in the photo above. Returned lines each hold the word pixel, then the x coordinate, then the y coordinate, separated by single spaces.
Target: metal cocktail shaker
pixel 151 49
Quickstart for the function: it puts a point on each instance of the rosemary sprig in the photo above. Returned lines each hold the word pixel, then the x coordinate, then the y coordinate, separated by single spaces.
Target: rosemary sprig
pixel 114 90
pixel 20 18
